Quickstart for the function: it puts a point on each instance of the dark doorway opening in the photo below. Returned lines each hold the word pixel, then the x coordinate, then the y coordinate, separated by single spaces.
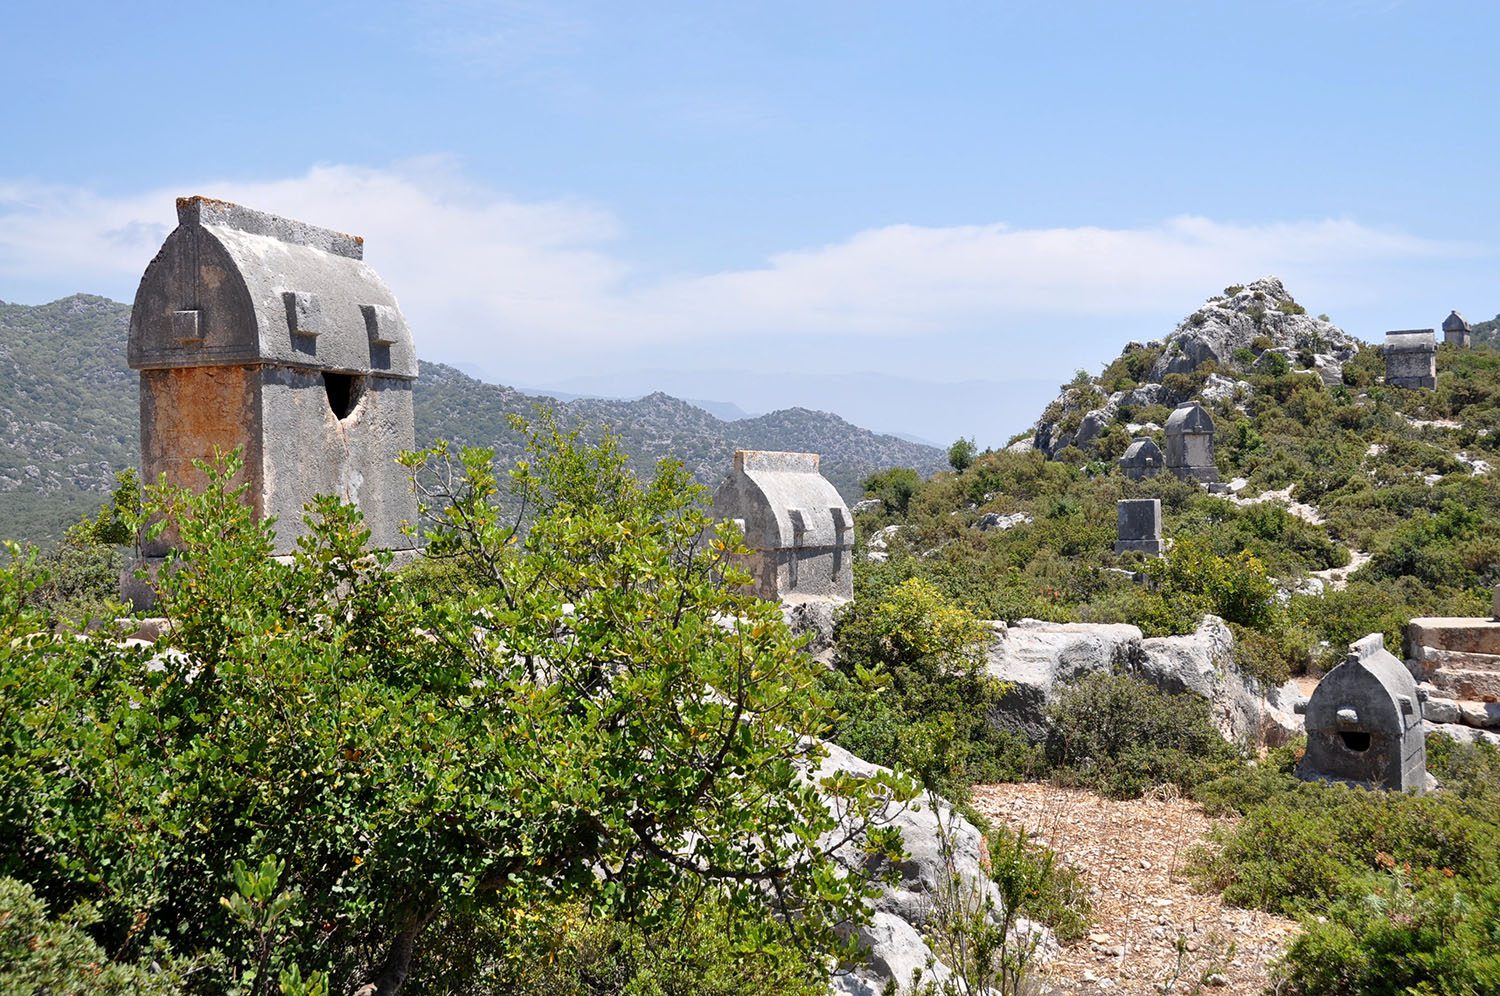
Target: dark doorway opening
pixel 1357 742
pixel 343 393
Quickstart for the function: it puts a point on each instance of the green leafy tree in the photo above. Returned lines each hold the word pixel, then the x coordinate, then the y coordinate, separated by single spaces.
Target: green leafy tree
pixel 961 454
pixel 894 488
pixel 329 772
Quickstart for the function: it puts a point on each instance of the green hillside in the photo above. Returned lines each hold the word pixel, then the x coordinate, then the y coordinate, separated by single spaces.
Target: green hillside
pixel 1393 487
pixel 69 416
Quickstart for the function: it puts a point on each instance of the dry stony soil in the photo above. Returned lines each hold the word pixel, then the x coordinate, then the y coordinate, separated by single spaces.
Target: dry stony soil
pixel 1153 932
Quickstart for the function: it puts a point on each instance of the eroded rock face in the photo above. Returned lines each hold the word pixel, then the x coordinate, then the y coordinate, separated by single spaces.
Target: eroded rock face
pixel 1235 332
pixel 894 937
pixel 1036 659
pixel 1203 663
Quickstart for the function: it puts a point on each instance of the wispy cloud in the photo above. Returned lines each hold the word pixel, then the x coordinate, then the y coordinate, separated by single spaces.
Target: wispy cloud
pixel 478 271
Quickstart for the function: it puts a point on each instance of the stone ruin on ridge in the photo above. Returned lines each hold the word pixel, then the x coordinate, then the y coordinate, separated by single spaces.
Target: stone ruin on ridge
pixel 271 335
pixel 1456 330
pixel 1190 444
pixel 1411 358
pixel 1139 525
pixel 1364 723
pixel 798 529
pixel 1142 459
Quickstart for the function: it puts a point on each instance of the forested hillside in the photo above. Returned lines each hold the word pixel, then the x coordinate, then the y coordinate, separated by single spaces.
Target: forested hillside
pixel 69 417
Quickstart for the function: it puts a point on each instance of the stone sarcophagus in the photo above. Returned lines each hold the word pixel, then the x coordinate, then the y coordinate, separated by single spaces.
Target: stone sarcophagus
pixel 1190 444
pixel 1139 526
pixel 1457 331
pixel 1364 723
pixel 263 333
pixel 1411 359
pixel 798 529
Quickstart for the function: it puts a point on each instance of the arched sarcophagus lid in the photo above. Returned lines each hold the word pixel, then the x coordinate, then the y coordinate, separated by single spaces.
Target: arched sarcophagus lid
pixel 796 524
pixel 234 286
pixel 1364 722
pixel 1190 443
pixel 1189 418
pixel 1456 323
pixel 1141 459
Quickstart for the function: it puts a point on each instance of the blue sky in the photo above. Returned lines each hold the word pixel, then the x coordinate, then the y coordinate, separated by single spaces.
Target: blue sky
pixel 922 216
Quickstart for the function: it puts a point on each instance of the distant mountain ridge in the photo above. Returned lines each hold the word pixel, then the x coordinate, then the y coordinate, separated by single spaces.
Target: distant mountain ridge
pixel 69 417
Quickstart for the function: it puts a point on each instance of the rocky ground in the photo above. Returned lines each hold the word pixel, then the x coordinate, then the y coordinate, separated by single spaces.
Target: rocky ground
pixel 1153 932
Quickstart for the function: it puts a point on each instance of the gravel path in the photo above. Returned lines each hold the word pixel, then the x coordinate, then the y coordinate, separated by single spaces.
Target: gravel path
pixel 1153 933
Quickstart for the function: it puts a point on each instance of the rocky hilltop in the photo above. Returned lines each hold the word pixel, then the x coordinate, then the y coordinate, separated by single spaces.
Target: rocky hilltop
pixel 69 419
pixel 1251 327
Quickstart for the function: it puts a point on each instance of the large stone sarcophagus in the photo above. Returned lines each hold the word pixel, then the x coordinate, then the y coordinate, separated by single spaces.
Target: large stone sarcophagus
pixel 1364 723
pixel 274 336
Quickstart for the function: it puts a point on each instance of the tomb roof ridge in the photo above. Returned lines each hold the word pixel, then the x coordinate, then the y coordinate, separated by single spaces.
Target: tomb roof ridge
pixel 211 211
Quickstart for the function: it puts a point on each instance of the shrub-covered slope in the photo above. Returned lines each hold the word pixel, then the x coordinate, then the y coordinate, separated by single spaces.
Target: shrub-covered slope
pixel 1324 467
pixel 69 417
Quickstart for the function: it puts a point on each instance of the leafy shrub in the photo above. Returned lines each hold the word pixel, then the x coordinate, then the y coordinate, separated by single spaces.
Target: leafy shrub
pixel 912 692
pixel 1412 932
pixel 1302 846
pixel 1192 581
pixel 961 454
pixel 322 772
pixel 894 488
pixel 1119 736
pixel 43 955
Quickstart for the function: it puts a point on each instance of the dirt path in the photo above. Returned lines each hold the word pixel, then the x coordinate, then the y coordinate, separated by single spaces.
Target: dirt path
pixel 1132 854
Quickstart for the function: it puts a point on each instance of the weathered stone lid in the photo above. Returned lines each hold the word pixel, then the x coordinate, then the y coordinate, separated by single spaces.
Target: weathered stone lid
pixel 1455 323
pixel 1142 453
pixel 1411 340
pixel 235 286
pixel 200 210
pixel 1189 417
pixel 1371 689
pixel 785 501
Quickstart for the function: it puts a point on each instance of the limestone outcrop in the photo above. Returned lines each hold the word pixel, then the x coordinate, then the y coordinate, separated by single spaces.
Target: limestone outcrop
pixel 894 938
pixel 1036 659
pixel 1235 331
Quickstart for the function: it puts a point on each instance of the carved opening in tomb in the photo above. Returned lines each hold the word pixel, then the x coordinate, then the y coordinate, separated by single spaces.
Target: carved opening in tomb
pixel 343 392
pixel 1355 741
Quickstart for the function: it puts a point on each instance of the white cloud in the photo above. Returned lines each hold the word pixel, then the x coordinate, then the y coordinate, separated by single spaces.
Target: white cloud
pixel 477 271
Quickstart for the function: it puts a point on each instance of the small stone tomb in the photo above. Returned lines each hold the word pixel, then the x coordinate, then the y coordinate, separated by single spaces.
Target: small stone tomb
pixel 798 529
pixel 1411 358
pixel 1142 459
pixel 1139 526
pixel 1364 723
pixel 1456 330
pixel 1190 444
pixel 259 332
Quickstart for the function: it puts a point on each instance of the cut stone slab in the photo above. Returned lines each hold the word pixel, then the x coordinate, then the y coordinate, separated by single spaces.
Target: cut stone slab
pixel 1440 710
pixel 1481 715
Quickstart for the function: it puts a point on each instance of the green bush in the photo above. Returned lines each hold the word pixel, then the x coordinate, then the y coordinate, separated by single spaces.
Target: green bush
pixel 894 488
pixel 910 687
pixel 39 954
pixel 1193 581
pixel 320 769
pixel 1411 933
pixel 961 454
pixel 1119 736
pixel 1302 846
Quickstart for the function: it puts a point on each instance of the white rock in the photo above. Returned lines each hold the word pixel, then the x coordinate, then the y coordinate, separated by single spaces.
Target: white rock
pixel 1440 710
pixel 1480 715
